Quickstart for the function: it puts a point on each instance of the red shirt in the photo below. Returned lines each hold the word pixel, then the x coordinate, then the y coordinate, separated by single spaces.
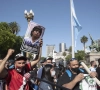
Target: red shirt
pixel 16 81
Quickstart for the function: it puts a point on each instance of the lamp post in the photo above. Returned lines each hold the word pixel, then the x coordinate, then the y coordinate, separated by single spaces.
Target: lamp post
pixel 29 16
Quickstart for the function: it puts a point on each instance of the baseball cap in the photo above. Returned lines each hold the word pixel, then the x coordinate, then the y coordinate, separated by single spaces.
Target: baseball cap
pixel 20 57
pixel 49 58
pixel 42 61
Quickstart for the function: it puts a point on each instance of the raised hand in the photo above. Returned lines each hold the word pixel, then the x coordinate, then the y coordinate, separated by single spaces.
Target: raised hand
pixel 41 42
pixel 93 74
pixel 27 76
pixel 10 52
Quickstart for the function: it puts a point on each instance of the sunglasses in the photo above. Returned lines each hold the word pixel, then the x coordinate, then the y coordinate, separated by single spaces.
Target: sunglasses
pixel 72 59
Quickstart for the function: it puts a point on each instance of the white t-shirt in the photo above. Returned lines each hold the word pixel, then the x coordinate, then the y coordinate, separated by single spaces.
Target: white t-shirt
pixel 92 69
pixel 88 83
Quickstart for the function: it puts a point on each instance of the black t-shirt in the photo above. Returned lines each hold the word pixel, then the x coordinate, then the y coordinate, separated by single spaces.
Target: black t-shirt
pixel 64 79
pixel 98 72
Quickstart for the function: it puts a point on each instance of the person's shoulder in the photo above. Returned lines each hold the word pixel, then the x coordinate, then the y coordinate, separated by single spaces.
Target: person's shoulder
pixel 11 70
pixel 98 69
pixel 27 39
pixel 65 75
pixel 40 69
pixel 63 79
pixel 83 71
pixel 28 66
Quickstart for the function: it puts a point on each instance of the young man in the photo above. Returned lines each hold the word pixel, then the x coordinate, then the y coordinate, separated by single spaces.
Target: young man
pixel 35 35
pixel 49 60
pixel 93 66
pixel 76 76
pixel 17 78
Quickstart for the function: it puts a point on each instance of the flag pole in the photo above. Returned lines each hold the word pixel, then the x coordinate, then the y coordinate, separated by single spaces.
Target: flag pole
pixel 72 31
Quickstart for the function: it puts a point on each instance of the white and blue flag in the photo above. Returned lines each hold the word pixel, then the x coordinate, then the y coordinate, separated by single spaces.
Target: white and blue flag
pixel 76 25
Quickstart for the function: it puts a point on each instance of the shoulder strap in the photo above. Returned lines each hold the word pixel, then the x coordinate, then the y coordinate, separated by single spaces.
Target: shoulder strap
pixel 81 70
pixel 69 73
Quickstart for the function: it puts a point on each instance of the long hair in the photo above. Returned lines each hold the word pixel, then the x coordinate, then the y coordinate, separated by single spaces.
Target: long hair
pixel 98 62
pixel 46 72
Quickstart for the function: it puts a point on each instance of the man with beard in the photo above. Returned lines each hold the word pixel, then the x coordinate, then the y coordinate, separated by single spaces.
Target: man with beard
pixel 77 75
pixel 18 77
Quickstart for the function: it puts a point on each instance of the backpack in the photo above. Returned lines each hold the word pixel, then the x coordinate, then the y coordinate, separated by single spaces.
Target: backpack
pixel 70 74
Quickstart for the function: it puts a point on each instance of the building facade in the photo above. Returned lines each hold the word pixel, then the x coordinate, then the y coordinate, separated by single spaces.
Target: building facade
pixel 49 50
pixel 62 47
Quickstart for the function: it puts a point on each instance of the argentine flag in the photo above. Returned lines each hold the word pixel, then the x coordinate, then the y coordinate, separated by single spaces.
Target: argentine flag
pixel 76 25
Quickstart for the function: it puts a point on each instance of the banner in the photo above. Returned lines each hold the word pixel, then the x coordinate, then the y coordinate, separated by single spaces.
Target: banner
pixel 31 40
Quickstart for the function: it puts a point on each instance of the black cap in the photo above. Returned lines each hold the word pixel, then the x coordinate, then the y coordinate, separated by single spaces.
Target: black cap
pixel 50 58
pixel 20 57
pixel 42 61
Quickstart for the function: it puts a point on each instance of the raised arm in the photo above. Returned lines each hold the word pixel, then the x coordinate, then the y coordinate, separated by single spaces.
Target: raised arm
pixel 3 71
pixel 39 55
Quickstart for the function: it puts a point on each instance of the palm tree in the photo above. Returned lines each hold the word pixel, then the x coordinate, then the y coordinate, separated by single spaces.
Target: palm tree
pixel 14 27
pixel 84 39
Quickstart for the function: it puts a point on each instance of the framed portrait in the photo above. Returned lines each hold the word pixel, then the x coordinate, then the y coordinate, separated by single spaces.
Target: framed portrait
pixel 31 39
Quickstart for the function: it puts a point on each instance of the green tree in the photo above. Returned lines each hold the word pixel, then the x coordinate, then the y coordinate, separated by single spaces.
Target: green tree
pixel 83 40
pixel 17 44
pixel 80 55
pixel 70 49
pixel 8 40
pixel 14 27
pixel 4 26
pixel 64 54
pixel 69 57
pixel 42 58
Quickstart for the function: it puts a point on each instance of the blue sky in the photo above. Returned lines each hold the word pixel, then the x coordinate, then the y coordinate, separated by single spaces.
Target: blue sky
pixel 54 15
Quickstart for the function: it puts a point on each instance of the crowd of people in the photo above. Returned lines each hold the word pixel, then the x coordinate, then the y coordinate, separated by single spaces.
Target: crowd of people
pixel 27 75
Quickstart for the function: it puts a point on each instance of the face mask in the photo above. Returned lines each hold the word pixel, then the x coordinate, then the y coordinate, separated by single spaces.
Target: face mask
pixel 95 66
pixel 53 73
pixel 75 69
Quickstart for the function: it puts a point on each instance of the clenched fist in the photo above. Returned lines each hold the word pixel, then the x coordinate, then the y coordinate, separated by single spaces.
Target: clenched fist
pixel 10 52
pixel 93 74
pixel 27 76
